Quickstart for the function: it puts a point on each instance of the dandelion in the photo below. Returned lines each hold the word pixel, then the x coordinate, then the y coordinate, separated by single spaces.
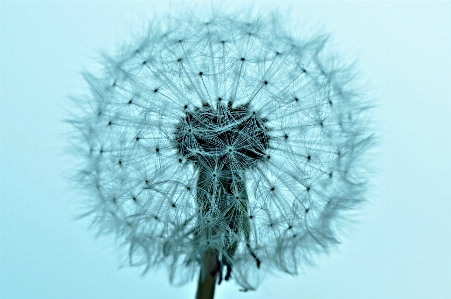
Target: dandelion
pixel 222 145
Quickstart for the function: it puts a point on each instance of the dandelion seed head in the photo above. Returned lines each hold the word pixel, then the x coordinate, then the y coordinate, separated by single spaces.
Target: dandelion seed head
pixel 227 135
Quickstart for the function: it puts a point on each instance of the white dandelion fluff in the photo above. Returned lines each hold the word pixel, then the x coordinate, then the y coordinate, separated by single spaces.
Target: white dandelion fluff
pixel 223 140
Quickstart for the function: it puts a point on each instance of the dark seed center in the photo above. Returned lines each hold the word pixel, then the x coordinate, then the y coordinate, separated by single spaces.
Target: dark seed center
pixel 234 138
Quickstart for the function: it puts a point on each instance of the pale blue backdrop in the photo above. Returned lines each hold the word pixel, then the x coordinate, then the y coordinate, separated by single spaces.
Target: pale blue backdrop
pixel 401 246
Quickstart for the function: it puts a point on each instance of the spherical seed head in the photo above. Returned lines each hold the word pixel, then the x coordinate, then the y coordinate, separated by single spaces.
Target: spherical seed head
pixel 226 134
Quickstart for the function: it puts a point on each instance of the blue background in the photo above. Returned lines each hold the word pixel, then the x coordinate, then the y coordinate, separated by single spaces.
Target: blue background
pixel 400 248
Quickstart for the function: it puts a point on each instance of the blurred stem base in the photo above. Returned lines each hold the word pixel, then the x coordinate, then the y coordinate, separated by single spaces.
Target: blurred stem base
pixel 207 275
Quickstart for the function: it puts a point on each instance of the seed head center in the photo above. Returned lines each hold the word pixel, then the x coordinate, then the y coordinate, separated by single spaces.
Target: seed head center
pixel 234 138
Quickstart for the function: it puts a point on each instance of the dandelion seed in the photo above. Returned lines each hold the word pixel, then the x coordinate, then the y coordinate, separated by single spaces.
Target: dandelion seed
pixel 227 146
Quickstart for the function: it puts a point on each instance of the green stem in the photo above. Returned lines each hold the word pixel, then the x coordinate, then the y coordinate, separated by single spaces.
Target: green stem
pixel 207 280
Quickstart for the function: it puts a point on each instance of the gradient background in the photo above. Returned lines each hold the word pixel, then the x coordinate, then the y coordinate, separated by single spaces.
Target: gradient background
pixel 401 247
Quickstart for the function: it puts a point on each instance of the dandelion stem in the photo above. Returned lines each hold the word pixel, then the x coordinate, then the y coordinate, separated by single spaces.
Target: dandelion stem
pixel 207 276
